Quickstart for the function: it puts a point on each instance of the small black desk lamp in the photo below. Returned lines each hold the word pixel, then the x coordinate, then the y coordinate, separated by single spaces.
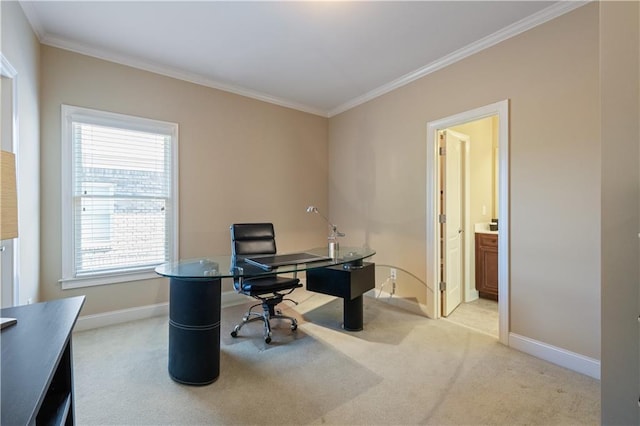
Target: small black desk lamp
pixel 333 233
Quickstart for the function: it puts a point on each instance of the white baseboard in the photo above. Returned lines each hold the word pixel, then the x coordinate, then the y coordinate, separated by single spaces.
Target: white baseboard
pixel 88 322
pixel 562 357
pixel 550 353
pixel 231 298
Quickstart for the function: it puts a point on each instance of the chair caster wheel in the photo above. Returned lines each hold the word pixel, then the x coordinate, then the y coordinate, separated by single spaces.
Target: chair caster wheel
pixel 294 327
pixel 234 333
pixel 267 339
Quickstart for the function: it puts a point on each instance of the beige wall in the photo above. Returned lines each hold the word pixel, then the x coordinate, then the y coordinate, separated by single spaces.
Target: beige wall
pixel 620 134
pixel 240 160
pixel 22 49
pixel 377 157
pixel 481 168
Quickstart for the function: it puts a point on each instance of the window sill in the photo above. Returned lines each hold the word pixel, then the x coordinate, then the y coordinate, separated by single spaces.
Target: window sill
pixel 71 283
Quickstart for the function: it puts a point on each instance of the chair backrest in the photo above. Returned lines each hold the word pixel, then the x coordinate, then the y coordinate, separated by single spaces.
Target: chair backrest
pixel 252 238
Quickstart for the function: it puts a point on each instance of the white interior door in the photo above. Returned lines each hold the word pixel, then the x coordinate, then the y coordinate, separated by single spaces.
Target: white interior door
pixel 453 228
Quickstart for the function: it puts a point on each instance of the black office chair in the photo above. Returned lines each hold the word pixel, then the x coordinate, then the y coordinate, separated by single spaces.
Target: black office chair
pixel 250 239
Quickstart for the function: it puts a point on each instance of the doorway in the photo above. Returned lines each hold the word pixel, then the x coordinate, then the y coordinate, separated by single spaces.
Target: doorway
pixel 447 287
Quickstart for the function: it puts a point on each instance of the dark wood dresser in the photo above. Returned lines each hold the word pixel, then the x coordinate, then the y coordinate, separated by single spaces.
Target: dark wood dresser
pixel 37 369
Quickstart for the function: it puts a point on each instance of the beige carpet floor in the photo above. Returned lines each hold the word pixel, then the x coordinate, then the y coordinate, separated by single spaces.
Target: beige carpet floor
pixel 402 369
pixel 480 315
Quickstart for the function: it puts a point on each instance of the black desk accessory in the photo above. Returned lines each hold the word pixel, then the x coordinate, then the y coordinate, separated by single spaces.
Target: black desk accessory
pixel 268 262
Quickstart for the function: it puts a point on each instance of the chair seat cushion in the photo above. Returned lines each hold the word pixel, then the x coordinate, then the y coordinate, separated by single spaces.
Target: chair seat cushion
pixel 269 284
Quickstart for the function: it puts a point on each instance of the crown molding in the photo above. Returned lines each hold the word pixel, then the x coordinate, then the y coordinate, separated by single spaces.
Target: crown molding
pixel 558 9
pixel 73 46
pixel 547 14
pixel 174 73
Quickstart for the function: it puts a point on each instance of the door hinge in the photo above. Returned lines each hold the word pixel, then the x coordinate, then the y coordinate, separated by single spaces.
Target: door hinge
pixel 442 218
pixel 443 285
pixel 442 150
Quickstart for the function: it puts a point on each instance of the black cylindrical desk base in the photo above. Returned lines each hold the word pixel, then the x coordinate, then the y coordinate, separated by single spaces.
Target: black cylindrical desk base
pixel 194 330
pixel 353 314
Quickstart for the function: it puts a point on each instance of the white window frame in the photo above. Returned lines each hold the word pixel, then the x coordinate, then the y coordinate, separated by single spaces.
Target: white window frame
pixel 73 113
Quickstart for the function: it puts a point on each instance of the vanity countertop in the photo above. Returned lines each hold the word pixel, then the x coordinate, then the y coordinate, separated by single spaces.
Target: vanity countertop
pixel 483 228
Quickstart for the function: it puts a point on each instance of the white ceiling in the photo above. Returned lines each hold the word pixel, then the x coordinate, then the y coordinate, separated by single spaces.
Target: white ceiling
pixel 321 57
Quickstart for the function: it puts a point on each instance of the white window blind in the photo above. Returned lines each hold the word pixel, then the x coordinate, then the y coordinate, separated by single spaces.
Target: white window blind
pixel 121 208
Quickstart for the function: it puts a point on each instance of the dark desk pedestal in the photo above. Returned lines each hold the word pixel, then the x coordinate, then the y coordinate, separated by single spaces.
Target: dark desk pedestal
pixel 194 330
pixel 349 283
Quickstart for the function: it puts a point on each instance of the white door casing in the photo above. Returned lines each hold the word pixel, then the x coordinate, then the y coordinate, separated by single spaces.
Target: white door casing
pixel 501 109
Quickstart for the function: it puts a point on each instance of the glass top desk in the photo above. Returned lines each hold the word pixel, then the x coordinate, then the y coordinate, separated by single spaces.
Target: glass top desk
pixel 224 266
pixel 195 301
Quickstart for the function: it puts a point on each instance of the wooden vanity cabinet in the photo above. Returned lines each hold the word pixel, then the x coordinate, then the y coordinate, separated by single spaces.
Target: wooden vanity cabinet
pixel 487 265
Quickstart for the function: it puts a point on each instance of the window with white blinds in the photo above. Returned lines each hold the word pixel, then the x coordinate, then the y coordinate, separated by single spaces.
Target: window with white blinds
pixel 119 196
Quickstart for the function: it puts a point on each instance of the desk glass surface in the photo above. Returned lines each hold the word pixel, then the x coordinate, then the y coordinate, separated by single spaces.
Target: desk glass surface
pixel 223 266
